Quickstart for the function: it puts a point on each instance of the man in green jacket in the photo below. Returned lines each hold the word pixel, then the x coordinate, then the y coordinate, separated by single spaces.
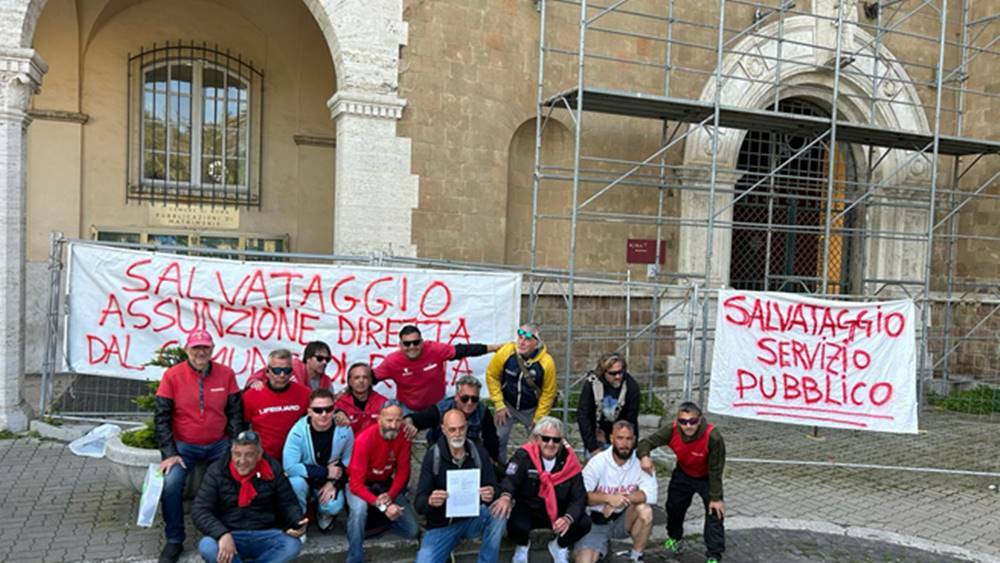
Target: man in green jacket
pixel 701 460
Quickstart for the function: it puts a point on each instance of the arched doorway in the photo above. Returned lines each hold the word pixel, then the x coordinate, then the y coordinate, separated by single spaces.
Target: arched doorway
pixel 779 224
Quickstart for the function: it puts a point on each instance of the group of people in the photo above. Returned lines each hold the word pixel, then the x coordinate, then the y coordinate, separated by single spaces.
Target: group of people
pixel 286 449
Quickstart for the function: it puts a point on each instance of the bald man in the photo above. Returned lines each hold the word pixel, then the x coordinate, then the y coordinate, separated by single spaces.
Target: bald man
pixel 453 451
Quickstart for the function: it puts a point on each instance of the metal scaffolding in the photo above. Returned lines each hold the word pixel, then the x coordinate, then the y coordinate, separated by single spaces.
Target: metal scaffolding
pixel 828 196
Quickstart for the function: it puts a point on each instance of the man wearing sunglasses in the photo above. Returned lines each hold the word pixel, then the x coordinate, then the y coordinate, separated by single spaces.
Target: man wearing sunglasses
pixel 274 408
pixel 197 404
pixel 701 460
pixel 609 395
pixel 316 455
pixel 480 428
pixel 309 371
pixel 522 381
pixel 543 488
pixel 418 367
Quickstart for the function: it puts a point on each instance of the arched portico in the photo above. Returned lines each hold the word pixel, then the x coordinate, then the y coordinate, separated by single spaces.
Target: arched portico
pixel 752 75
pixel 372 177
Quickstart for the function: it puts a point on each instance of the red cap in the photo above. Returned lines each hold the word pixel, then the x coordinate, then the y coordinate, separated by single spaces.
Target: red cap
pixel 200 338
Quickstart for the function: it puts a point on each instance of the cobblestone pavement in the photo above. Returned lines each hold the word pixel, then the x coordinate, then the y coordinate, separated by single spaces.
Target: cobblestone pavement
pixel 59 507
pixel 771 546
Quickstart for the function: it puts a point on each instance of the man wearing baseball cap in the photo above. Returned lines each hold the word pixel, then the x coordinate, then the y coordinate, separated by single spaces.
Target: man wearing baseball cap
pixel 197 405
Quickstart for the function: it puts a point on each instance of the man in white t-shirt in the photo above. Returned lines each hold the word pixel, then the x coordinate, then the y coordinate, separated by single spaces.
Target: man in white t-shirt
pixel 620 496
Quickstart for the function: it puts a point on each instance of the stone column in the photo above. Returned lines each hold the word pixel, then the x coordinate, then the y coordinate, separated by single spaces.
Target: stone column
pixel 694 233
pixel 21 73
pixel 375 191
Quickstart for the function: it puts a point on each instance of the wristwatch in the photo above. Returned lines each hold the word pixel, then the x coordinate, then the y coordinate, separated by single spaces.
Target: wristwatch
pixel 383 507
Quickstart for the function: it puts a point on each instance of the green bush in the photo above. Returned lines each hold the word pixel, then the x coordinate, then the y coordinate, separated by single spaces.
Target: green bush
pixel 144 437
pixel 979 400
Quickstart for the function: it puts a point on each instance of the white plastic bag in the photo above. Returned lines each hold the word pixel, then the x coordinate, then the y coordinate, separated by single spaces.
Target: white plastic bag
pixel 92 443
pixel 152 486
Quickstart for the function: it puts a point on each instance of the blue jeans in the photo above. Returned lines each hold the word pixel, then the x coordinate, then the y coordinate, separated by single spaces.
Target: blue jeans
pixel 438 543
pixel 172 498
pixel 405 525
pixel 254 545
pixel 302 489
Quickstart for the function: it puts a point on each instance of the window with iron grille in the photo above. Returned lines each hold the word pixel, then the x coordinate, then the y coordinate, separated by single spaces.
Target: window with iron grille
pixel 779 226
pixel 194 120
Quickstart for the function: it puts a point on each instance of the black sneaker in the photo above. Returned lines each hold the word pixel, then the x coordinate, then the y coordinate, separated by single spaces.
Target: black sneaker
pixel 171 552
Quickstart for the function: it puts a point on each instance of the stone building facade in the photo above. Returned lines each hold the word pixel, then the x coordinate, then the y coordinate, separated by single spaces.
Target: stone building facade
pixel 402 126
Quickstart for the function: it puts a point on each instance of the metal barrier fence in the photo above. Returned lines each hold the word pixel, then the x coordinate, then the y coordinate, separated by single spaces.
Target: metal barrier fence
pixel 660 329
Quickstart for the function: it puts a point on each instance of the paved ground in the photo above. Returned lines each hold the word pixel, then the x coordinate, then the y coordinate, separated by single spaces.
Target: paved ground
pixel 59 507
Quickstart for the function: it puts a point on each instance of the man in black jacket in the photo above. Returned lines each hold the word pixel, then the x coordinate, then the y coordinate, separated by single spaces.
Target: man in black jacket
pixel 197 406
pixel 609 394
pixel 454 451
pixel 246 507
pixel 544 484
pixel 480 428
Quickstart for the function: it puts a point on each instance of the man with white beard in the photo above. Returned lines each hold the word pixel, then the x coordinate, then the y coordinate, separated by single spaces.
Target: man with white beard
pixel 454 451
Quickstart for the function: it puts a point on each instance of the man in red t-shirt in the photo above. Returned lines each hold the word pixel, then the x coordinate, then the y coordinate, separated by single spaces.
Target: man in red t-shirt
pixel 359 407
pixel 197 405
pixel 273 409
pixel 418 367
pixel 377 477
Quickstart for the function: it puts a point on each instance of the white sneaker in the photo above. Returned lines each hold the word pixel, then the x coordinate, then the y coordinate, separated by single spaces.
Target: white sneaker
pixel 521 554
pixel 559 554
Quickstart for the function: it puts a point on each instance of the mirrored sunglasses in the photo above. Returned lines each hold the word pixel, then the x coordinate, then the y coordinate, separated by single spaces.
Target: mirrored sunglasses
pixel 525 334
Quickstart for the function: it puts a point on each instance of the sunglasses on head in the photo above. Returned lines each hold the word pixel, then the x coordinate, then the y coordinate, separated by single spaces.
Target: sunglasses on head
pixel 322 410
pixel 411 343
pixel 247 437
pixel 323 359
pixel 688 421
pixel 551 439
pixel 280 371
pixel 469 398
pixel 525 334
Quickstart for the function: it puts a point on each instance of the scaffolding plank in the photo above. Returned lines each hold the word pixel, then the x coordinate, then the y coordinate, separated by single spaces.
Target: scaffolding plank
pixel 633 104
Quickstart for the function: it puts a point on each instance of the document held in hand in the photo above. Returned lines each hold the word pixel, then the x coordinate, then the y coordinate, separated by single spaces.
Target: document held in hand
pixel 463 493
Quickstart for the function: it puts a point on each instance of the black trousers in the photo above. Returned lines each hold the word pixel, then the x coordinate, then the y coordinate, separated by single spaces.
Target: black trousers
pixel 680 492
pixel 523 519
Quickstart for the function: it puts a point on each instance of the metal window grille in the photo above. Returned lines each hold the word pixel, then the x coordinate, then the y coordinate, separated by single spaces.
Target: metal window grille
pixel 779 226
pixel 194 122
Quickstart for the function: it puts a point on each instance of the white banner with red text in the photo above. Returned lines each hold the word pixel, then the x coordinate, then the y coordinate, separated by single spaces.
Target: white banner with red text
pixel 124 305
pixel 795 359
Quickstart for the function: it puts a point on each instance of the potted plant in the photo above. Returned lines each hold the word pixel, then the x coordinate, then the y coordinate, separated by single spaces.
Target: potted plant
pixel 131 452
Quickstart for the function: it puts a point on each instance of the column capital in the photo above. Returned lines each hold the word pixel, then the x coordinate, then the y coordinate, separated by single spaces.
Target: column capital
pixel 702 175
pixel 21 72
pixel 366 104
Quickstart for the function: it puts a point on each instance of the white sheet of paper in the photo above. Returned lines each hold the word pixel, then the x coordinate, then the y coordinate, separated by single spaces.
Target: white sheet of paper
pixel 463 493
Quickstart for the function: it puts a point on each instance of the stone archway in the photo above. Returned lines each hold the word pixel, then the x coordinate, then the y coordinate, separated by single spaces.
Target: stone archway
pixel 373 176
pixel 802 74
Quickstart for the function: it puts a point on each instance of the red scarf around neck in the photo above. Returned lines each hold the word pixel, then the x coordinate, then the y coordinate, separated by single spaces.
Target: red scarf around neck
pixel 548 481
pixel 247 490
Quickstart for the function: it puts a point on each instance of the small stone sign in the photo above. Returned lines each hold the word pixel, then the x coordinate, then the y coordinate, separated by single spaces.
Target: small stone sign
pixel 192 217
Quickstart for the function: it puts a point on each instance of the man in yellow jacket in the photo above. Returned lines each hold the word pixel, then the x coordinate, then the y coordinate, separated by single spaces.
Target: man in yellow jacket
pixel 522 381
